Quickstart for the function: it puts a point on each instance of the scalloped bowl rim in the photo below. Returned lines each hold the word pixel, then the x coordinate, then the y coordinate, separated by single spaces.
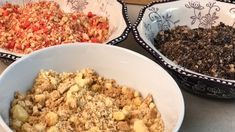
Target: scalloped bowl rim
pixel 5 54
pixel 158 55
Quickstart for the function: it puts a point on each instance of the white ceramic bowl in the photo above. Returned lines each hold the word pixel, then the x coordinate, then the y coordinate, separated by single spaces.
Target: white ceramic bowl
pixel 114 10
pixel 125 66
pixel 167 14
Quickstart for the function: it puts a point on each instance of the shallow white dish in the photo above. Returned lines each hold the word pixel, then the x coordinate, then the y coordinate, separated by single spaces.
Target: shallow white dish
pixel 167 14
pixel 114 10
pixel 125 66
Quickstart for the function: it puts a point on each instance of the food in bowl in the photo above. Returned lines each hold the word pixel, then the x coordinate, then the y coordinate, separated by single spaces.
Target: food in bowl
pixel 82 101
pixel 207 51
pixel 25 29
pixel 165 15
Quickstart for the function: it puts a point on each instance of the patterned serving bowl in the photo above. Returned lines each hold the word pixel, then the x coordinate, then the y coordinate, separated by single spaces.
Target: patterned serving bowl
pixel 167 14
pixel 114 10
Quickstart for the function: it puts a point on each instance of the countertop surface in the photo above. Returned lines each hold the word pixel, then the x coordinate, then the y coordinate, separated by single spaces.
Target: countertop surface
pixel 201 114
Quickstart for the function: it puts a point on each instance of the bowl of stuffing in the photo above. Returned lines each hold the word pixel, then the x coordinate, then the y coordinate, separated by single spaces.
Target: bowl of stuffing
pixel 194 40
pixel 29 25
pixel 88 90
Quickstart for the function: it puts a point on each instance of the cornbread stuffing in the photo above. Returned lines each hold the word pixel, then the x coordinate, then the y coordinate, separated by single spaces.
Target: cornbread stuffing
pixel 82 101
pixel 24 29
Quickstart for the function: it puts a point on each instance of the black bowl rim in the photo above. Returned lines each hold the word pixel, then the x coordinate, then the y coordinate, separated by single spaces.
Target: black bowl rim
pixel 115 41
pixel 162 62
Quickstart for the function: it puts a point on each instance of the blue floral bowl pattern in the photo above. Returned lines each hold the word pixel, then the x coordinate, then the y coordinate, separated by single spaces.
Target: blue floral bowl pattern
pixel 114 10
pixel 166 14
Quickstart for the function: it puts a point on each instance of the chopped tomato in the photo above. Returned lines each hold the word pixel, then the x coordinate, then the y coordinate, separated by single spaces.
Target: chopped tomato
pixel 90 14
pixel 95 40
pixel 10 45
pixel 16 10
pixel 74 17
pixel 27 45
pixel 103 25
pixel 35 28
pixel 6 13
pixel 26 24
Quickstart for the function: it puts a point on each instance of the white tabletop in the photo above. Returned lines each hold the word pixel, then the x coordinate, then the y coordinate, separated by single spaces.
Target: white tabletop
pixel 201 114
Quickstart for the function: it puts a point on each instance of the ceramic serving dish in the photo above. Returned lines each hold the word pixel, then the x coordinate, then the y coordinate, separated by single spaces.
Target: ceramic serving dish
pixel 163 15
pixel 114 10
pixel 125 66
